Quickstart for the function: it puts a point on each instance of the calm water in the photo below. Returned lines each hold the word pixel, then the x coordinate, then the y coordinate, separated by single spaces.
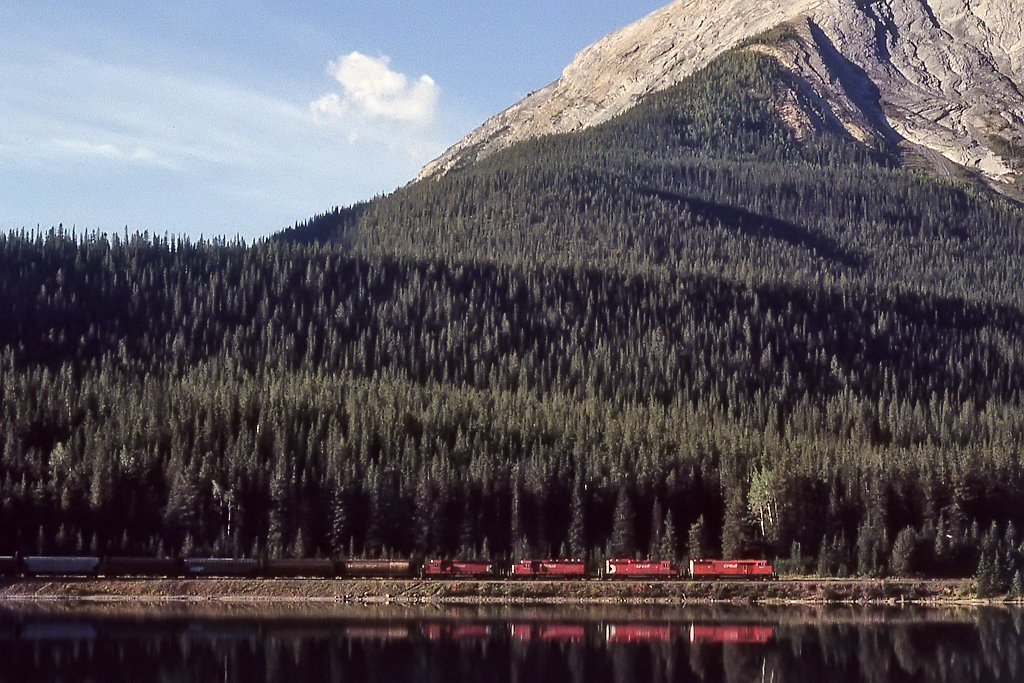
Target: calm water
pixel 614 645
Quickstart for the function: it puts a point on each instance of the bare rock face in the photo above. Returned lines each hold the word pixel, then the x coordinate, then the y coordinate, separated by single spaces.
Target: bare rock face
pixel 942 76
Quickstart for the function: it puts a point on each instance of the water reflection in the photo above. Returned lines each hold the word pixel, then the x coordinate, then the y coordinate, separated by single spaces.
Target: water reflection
pixel 502 644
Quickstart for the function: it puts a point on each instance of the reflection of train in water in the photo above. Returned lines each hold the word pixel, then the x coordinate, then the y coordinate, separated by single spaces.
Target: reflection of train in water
pixel 615 568
pixel 542 631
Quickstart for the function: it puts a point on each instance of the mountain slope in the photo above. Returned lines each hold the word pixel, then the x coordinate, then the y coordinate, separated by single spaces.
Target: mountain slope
pixel 943 75
pixel 740 171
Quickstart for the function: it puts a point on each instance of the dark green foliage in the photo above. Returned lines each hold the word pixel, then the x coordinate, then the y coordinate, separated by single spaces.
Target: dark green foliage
pixel 986 576
pixel 1016 587
pixel 275 399
pixel 902 562
pixel 623 540
pixel 697 544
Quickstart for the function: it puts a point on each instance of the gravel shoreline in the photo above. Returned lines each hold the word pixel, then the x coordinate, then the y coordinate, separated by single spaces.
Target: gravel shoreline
pixel 238 590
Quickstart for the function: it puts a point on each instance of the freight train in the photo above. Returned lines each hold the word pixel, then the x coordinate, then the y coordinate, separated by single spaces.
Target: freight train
pixel 433 568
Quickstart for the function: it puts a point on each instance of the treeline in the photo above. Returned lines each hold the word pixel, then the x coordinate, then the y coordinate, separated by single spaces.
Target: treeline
pixel 169 397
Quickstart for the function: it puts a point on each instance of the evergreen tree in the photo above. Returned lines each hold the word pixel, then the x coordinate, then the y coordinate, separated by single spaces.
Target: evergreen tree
pixel 734 526
pixel 697 546
pixel 902 561
pixel 623 539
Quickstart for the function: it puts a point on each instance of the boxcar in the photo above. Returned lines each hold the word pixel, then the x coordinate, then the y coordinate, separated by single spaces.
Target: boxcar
pixel 72 566
pixel 141 566
pixel 383 569
pixel 221 566
pixel 639 569
pixel 300 567
pixel 555 569
pixel 730 569
pixel 459 568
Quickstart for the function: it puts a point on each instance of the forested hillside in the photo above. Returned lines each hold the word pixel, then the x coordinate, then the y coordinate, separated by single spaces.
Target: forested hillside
pixel 179 398
pixel 687 332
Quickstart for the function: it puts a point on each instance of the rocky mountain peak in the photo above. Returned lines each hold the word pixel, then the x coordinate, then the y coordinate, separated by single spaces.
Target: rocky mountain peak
pixel 943 77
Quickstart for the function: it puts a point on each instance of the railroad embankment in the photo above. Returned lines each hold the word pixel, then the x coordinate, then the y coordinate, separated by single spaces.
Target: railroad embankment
pixel 785 591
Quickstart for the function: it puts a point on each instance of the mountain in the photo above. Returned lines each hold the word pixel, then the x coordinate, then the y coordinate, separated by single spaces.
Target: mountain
pixel 940 76
pixel 758 156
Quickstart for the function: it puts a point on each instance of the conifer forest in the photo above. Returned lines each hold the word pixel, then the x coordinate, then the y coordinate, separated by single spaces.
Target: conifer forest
pixel 687 332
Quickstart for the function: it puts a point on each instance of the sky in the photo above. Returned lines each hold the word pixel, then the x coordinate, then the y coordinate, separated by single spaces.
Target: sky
pixel 239 119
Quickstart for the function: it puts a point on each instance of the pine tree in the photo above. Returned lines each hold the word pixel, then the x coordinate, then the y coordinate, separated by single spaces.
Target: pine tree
pixel 668 546
pixel 577 521
pixel 734 526
pixel 623 541
pixel 1016 587
pixel 985 576
pixel 697 540
pixel 902 560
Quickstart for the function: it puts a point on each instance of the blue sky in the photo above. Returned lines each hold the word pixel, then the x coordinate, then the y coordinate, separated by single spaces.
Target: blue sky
pixel 241 118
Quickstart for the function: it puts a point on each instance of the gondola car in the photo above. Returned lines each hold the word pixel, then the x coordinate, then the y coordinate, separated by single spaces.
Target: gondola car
pixel 466 569
pixel 734 569
pixel 552 569
pixel 622 568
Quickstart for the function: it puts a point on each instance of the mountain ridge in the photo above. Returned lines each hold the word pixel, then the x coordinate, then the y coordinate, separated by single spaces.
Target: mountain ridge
pixel 942 78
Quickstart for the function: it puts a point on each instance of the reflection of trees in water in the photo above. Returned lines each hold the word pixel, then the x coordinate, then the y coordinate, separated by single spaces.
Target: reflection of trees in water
pixel 989 648
pixel 698 664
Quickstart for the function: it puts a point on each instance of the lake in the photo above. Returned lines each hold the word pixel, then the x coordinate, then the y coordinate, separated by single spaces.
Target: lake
pixel 296 643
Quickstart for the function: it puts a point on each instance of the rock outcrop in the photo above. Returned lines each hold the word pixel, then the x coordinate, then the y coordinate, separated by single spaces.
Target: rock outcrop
pixel 942 76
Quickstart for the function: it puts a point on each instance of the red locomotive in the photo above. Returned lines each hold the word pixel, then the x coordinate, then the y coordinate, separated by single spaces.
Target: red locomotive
pixel 555 569
pixel 639 569
pixel 740 569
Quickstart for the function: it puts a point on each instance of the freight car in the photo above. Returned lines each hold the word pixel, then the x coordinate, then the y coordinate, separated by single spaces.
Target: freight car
pixel 378 569
pixel 221 566
pixel 464 569
pixel 36 565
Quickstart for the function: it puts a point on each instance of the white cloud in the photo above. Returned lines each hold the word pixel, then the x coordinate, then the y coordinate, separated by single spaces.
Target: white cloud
pixel 371 91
